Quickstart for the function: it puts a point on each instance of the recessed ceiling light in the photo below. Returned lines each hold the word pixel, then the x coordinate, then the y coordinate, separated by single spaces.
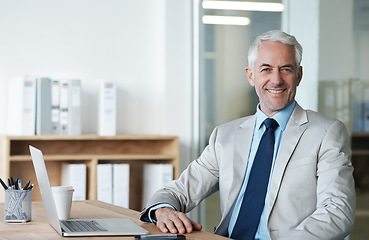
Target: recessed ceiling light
pixel 246 6
pixel 225 20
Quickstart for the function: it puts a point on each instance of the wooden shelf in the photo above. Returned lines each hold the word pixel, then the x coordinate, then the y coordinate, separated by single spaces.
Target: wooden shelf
pixel 360 152
pixel 127 157
pixel 360 135
pixel 15 159
pixel 360 160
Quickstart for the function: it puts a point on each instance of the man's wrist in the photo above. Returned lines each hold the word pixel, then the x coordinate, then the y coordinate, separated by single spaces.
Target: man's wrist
pixel 151 213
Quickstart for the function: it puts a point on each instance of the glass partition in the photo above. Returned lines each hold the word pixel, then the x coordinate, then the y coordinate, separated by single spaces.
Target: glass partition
pixel 225 93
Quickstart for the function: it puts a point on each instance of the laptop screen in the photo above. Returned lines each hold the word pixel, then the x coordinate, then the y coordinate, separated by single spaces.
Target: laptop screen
pixel 45 189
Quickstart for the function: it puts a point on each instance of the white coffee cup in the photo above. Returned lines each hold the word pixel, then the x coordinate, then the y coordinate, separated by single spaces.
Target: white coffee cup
pixel 63 200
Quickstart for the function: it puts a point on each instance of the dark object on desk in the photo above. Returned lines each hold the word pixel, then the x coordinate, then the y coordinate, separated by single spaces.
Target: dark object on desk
pixel 162 236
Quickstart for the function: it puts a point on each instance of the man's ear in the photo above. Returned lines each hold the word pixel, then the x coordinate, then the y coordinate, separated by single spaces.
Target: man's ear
pixel 250 76
pixel 299 76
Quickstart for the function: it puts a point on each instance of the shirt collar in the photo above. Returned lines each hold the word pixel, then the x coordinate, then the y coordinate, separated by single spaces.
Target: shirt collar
pixel 281 117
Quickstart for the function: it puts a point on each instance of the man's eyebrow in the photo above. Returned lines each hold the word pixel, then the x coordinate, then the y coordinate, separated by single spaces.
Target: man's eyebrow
pixel 284 66
pixel 288 66
pixel 265 65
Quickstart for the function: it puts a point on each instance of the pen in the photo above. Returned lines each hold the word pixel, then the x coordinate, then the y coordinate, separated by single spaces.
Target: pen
pixel 26 186
pixel 19 184
pixel 16 184
pixel 4 185
pixel 12 181
pixel 161 236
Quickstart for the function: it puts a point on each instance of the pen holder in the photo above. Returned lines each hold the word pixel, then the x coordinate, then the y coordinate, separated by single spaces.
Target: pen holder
pixel 18 205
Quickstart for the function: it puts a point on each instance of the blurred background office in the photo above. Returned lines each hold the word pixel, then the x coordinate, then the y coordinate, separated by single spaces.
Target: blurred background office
pixel 179 65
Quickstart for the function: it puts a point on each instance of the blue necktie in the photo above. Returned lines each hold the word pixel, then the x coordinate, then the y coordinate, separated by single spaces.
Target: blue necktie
pixel 254 197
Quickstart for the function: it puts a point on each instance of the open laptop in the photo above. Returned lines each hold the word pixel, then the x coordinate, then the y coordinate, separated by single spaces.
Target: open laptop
pixel 78 227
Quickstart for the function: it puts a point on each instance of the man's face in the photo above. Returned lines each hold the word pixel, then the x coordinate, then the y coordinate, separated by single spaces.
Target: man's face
pixel 275 76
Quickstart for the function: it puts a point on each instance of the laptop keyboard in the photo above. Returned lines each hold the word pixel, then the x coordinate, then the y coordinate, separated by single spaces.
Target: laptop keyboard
pixel 83 226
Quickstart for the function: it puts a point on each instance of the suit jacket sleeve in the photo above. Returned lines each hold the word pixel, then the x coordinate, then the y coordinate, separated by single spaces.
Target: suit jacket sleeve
pixel 199 180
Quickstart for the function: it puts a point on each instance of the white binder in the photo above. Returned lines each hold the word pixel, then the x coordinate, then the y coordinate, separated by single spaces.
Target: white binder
pixel 21 112
pixel 107 108
pixel 43 106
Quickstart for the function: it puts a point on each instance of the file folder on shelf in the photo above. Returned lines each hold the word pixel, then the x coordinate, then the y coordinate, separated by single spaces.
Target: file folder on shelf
pixel 107 108
pixel 43 106
pixel 55 107
pixel 105 183
pixel 74 174
pixel 21 112
pixel 70 107
pixel 155 176
pixel 121 184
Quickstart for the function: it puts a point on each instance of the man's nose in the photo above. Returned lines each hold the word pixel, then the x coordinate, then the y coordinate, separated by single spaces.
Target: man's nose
pixel 276 77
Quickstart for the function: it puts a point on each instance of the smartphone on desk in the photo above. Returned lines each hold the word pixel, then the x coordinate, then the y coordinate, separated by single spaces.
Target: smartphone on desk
pixel 162 236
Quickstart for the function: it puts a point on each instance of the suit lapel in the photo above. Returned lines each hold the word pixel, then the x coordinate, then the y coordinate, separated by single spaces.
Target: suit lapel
pixel 241 149
pixel 290 138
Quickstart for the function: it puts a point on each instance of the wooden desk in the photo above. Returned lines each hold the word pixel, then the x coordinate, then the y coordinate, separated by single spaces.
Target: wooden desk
pixel 39 227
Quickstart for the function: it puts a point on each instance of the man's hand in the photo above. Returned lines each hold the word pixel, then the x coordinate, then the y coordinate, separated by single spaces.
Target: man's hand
pixel 169 220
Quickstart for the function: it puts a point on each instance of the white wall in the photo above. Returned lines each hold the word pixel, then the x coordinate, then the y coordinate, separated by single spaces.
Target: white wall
pixel 90 40
pixel 144 45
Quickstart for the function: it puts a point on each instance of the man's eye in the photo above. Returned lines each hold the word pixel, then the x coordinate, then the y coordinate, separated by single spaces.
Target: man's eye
pixel 266 70
pixel 286 70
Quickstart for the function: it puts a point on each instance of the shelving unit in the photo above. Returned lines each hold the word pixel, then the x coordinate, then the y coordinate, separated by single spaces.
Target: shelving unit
pixel 360 160
pixel 15 159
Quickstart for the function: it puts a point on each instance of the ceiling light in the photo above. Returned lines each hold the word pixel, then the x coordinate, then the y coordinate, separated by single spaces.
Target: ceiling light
pixel 225 20
pixel 247 6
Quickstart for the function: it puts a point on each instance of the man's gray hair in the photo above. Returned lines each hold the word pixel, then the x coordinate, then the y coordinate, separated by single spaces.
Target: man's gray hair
pixel 274 36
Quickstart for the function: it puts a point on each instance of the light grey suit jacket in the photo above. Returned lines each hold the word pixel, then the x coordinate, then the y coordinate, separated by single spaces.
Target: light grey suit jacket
pixel 312 193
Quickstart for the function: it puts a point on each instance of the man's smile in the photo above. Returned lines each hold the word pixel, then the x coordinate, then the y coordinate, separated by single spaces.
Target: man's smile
pixel 275 91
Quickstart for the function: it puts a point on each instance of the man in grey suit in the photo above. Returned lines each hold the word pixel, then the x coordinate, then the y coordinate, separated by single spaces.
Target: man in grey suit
pixel 310 191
